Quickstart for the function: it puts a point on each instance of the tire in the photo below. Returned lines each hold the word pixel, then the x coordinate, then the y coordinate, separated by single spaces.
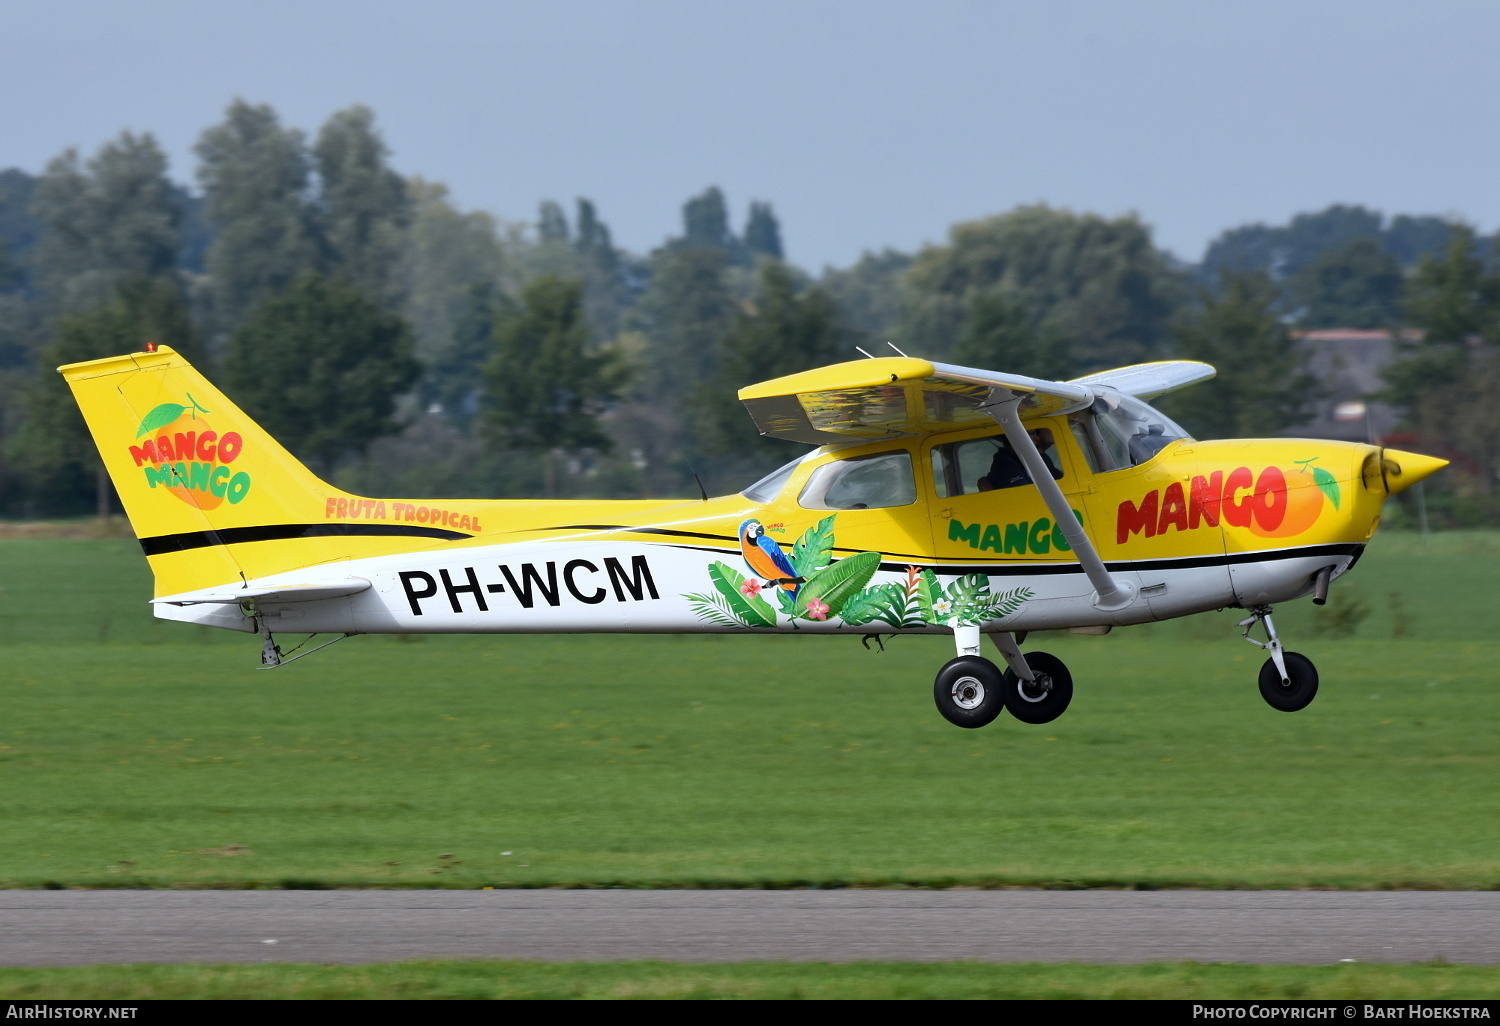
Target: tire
pixel 1048 698
pixel 968 691
pixel 1296 695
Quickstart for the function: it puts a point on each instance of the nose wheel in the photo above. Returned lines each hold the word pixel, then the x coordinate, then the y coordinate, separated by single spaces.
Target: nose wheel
pixel 1296 689
pixel 1288 680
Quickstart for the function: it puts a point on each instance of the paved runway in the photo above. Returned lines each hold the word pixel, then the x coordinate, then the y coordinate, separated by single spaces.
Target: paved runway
pixel 39 928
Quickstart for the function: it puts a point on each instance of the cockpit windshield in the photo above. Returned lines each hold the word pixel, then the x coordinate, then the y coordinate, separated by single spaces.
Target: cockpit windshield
pixel 1132 431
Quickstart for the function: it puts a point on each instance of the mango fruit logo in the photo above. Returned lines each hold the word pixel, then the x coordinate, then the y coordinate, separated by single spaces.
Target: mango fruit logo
pixel 1307 490
pixel 1268 504
pixel 193 465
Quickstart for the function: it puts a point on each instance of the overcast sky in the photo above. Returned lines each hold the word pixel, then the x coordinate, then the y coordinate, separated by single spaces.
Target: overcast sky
pixel 866 124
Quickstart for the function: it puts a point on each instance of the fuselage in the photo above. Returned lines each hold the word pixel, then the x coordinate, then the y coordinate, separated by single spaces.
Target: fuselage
pixel 900 535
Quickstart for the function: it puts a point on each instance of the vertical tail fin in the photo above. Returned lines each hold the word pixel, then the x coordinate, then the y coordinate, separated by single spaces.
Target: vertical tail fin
pixel 210 494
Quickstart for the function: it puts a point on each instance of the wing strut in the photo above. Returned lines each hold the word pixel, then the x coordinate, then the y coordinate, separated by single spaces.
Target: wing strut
pixel 1109 593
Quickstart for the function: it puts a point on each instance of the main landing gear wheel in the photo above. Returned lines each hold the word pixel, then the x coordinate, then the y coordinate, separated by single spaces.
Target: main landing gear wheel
pixel 1042 700
pixel 968 691
pixel 1300 688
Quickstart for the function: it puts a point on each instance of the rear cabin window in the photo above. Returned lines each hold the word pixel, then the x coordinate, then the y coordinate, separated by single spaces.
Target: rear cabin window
pixel 768 487
pixel 867 482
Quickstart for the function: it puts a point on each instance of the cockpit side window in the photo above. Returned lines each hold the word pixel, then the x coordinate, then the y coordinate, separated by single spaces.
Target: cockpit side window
pixel 987 464
pixel 1093 449
pixel 1116 436
pixel 865 482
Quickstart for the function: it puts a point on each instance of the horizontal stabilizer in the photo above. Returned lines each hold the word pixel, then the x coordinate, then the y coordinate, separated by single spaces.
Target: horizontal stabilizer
pixel 270 596
pixel 1148 380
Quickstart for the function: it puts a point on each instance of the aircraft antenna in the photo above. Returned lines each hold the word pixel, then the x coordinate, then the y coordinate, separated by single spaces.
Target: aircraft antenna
pixel 698 480
pixel 867 355
pixel 893 346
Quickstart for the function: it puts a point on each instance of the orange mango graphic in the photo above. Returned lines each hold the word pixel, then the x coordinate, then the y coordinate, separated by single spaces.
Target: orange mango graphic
pixel 1308 489
pixel 202 500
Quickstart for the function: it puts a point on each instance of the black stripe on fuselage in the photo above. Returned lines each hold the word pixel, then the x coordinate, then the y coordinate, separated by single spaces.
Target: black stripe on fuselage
pixel 670 533
pixel 1040 569
pixel 1027 569
pixel 280 532
pixel 641 530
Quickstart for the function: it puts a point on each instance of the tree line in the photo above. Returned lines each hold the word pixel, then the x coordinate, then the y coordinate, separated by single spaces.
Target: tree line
pixel 403 346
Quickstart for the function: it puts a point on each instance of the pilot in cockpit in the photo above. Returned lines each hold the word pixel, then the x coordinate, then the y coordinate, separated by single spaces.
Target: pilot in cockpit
pixel 1007 470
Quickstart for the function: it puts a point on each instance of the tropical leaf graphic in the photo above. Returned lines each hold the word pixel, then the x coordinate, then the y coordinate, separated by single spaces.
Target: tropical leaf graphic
pixel 1328 483
pixel 970 596
pixel 965 601
pixel 909 611
pixel 1007 602
pixel 896 606
pixel 928 592
pixel 910 608
pixel 835 585
pixel 814 550
pixel 894 603
pixel 713 609
pixel 884 602
pixel 160 417
pixel 751 612
pixel 166 414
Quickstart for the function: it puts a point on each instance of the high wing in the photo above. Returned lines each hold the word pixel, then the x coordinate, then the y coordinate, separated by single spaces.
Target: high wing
pixel 1149 380
pixel 894 396
pixel 900 396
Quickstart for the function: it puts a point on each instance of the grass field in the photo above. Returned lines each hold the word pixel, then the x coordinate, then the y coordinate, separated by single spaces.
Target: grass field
pixel 861 980
pixel 140 753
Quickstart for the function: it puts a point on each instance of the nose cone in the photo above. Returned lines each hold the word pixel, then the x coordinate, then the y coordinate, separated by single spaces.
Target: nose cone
pixel 1404 469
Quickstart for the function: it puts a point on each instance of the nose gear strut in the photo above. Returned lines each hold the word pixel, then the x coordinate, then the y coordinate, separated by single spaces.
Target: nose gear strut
pixel 1262 614
pixel 1288 680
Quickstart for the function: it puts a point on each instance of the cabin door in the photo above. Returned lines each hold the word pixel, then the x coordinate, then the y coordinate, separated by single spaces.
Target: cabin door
pixel 985 508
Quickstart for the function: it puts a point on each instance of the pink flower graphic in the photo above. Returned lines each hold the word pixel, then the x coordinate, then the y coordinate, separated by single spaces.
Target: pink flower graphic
pixel 751 587
pixel 817 609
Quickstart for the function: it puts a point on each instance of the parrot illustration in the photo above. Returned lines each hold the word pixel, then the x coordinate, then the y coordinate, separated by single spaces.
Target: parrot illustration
pixel 765 558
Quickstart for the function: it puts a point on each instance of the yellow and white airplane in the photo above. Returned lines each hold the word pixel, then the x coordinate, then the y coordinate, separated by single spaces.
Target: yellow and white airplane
pixel 939 500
